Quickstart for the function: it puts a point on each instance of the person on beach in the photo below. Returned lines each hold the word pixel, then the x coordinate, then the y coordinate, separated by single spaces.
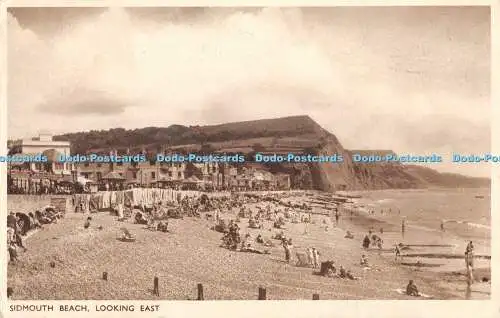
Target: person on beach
pixel 12 252
pixel 364 261
pixel 398 252
pixel 411 289
pixel 315 257
pixel 10 235
pixel 287 251
pixel 342 272
pixel 350 276
pixel 12 220
pixel 366 242
pixel 19 241
pixel 469 255
pixel 310 256
pixel 403 226
pixel 87 223
pixel 470 248
pixel 442 225
pixel 34 221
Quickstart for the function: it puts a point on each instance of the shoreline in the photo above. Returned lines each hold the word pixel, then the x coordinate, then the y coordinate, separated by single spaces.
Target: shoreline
pixel 448 282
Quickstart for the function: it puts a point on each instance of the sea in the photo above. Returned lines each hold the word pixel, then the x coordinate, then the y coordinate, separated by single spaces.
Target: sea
pixel 465 213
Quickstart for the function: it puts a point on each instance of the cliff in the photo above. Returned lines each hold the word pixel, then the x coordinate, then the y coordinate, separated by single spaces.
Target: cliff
pixel 297 134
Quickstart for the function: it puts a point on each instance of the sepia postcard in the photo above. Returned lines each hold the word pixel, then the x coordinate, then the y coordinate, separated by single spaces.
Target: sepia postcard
pixel 300 153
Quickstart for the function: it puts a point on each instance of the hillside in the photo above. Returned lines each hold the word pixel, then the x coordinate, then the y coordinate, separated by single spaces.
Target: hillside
pixel 297 134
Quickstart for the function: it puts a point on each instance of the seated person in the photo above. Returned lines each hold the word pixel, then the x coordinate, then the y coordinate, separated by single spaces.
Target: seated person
pixel 364 261
pixel 350 276
pixel 342 272
pixel 139 219
pixel 349 235
pixel 126 234
pixel 12 252
pixel 259 239
pixel 411 289
pixel 250 249
pixel 87 223
pixel 34 221
pixel 162 226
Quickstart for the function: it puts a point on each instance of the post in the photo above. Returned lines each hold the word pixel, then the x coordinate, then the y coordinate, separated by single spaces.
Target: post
pixel 262 293
pixel 156 289
pixel 315 296
pixel 105 276
pixel 10 292
pixel 200 292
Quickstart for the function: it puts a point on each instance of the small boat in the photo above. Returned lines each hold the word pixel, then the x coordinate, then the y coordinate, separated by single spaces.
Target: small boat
pixel 479 196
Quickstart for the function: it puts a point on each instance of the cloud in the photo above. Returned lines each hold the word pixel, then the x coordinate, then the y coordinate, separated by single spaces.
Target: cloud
pixel 83 102
pixel 387 80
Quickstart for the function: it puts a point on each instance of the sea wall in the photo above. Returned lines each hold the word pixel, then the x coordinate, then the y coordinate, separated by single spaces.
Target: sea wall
pixel 29 203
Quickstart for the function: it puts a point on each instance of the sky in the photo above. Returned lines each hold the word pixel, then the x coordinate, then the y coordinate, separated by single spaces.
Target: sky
pixel 414 80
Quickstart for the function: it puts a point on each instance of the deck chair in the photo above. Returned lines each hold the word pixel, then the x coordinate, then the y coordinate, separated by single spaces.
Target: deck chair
pixel 127 236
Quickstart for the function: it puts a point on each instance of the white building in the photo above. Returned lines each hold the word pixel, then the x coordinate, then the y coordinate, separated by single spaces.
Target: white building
pixel 43 144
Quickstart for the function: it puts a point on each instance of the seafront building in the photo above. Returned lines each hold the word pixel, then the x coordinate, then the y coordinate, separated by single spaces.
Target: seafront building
pixel 64 177
pixel 45 145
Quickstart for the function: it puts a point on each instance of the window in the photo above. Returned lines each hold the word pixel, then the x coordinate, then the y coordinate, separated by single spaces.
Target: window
pixel 134 175
pixel 99 175
pixel 99 165
pixel 86 164
pixel 179 175
pixel 170 174
pixel 153 175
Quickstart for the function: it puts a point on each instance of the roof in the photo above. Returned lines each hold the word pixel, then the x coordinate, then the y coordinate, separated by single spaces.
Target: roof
pixel 113 175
